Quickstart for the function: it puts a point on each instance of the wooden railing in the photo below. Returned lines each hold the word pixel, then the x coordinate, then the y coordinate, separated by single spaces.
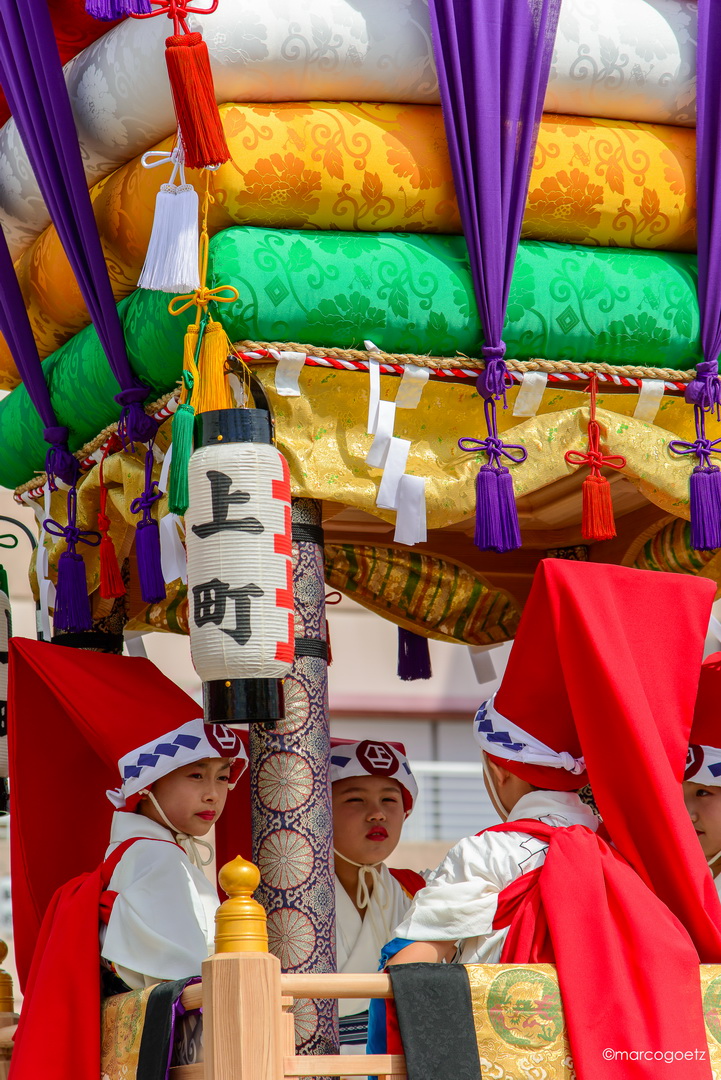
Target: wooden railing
pixel 248 1023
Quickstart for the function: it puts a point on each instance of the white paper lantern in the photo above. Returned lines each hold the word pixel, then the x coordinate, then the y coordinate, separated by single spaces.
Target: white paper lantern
pixel 240 585
pixel 5 635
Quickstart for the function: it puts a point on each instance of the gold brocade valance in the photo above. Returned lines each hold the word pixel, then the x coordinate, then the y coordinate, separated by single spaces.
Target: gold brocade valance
pixel 322 433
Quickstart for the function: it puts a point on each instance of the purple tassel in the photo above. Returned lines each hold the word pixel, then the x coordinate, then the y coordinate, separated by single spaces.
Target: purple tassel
pixel 705 493
pixel 150 571
pixel 497 526
pixel 147 538
pixel 705 486
pixel 110 10
pixel 72 603
pixel 414 659
pixel 507 512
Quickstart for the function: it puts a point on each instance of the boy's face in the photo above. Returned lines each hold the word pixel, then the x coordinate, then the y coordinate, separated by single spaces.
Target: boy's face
pixel 368 817
pixel 192 796
pixel 704 806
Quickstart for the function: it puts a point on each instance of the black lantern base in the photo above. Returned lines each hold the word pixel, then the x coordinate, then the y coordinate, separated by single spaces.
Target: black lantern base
pixel 243 701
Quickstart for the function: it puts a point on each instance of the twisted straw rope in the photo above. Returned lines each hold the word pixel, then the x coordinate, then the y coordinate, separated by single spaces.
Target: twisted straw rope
pixel 565 367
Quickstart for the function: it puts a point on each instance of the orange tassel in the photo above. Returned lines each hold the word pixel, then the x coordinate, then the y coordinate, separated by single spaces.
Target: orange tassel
pixel 111 582
pixel 191 83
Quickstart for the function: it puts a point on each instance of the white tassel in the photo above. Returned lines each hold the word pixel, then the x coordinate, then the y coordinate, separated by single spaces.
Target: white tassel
pixel 171 262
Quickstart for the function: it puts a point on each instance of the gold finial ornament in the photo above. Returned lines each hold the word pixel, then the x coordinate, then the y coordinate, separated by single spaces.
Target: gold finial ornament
pixel 240 922
pixel 7 1000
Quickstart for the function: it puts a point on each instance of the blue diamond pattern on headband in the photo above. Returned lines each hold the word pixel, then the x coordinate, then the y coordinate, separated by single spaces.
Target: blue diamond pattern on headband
pixel 186 740
pixel 715 770
pixel 148 759
pixel 505 740
pixel 167 748
pixel 339 761
pixel 407 767
pixel 131 772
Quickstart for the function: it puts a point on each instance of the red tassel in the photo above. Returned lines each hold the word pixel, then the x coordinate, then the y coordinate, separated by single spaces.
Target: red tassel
pixel 191 83
pixel 597 522
pixel 111 582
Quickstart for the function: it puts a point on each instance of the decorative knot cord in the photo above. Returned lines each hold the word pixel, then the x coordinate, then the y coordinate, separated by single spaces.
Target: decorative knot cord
pixel 59 462
pixel 496 515
pixel 134 424
pixel 597 521
pixel 704 390
pixel 72 604
pixel 147 537
pixel 704 485
pixel 177 11
pixel 491 383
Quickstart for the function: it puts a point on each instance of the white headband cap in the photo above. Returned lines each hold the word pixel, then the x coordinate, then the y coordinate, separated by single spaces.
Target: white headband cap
pixel 502 738
pixel 193 741
pixel 703 765
pixel 372 758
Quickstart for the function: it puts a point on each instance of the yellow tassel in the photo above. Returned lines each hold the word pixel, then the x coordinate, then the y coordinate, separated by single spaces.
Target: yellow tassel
pixel 211 389
pixel 190 346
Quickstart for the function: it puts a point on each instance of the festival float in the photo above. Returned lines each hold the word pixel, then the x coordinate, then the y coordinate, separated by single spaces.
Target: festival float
pixel 396 299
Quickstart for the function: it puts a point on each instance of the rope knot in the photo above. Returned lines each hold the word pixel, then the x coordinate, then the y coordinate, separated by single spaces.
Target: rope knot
pixel 704 390
pixel 491 383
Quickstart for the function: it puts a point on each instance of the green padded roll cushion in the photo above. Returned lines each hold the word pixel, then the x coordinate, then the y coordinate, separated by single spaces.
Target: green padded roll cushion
pixel 407 293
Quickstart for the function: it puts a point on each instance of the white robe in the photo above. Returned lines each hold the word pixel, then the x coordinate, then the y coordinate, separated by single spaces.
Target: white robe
pixel 459 902
pixel 162 925
pixel 359 941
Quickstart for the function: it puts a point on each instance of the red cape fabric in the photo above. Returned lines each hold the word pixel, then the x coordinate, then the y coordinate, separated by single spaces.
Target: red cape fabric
pixel 58 767
pixel 627 969
pixel 59 1020
pixel 617 653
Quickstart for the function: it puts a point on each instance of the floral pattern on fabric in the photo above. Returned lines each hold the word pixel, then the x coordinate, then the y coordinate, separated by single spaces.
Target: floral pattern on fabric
pixel 379 167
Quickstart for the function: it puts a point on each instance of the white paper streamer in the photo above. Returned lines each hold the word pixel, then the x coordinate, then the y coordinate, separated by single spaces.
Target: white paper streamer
pixel 165 471
pixel 530 393
pixel 287 372
pixel 374 393
pixel 386 418
pixel 395 466
pixel 650 397
pixel 412 384
pixel 172 553
pixel 411 525
pixel 45 585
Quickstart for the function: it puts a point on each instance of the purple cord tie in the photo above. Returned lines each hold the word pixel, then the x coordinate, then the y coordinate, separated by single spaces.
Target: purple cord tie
pixel 70 532
pixel 492 444
pixel 704 390
pixel 491 383
pixel 59 462
pixel 150 495
pixel 702 447
pixel 134 424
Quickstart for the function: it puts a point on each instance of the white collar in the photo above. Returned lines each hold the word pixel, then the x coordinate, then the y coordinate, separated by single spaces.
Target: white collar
pixel 561 806
pixel 126 826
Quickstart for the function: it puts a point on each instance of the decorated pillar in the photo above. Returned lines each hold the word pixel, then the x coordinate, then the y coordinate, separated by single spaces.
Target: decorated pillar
pixel 291 804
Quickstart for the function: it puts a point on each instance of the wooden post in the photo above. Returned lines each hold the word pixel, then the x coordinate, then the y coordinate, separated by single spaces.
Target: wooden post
pixel 242 1020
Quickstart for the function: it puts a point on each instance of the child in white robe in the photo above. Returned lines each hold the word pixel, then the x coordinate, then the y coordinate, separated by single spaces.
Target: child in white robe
pixel 373 793
pixel 159 922
pixel 702 778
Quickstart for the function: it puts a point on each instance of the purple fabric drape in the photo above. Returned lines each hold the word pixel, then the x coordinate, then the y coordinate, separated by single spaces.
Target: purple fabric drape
pixel 704 392
pixel 16 329
pixel 493 59
pixel 32 77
